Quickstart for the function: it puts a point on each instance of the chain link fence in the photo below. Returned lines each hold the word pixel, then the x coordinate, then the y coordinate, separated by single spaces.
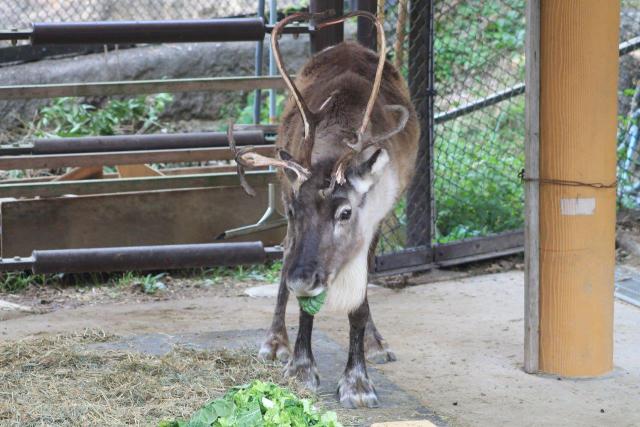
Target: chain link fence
pixel 629 110
pixel 479 125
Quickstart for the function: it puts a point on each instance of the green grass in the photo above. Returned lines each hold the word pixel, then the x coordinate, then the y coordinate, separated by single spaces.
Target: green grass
pixel 13 282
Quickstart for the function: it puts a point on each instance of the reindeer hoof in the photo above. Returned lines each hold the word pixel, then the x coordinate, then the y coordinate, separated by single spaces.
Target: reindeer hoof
pixel 377 350
pixel 355 390
pixel 275 347
pixel 305 371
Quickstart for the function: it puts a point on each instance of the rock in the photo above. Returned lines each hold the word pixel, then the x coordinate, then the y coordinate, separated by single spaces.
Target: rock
pixel 265 291
pixel 10 310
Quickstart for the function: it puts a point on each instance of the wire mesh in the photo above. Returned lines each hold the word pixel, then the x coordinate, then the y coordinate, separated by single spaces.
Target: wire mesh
pixel 629 111
pixel 478 151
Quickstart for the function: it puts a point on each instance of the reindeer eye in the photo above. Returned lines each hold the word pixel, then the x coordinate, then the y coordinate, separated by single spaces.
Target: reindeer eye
pixel 345 214
pixel 290 212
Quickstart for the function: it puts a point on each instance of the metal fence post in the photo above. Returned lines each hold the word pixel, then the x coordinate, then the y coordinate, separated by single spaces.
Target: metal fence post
pixel 258 65
pixel 331 35
pixel 366 30
pixel 420 212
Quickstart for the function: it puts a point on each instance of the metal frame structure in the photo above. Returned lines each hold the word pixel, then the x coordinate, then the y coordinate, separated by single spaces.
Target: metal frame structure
pixel 420 254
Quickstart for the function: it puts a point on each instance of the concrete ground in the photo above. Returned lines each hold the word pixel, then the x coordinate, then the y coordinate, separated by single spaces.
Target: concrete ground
pixel 459 348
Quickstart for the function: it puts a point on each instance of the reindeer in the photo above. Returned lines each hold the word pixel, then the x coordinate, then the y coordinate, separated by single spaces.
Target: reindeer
pixel 346 151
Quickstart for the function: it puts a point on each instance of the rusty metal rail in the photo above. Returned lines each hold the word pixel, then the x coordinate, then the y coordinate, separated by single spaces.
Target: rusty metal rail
pixel 139 258
pixel 156 141
pixel 167 31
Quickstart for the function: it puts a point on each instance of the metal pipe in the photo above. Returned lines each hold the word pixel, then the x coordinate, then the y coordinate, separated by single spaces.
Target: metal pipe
pixel 138 258
pixel 163 257
pixel 100 144
pixel 258 68
pixel 273 19
pixel 480 104
pixel 629 46
pixel 201 30
pixel 14 34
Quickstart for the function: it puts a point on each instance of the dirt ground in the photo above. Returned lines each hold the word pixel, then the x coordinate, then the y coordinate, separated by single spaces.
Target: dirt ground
pixel 458 342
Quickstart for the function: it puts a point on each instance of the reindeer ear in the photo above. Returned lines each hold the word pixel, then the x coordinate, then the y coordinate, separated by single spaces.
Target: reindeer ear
pixel 401 122
pixel 285 156
pixel 370 167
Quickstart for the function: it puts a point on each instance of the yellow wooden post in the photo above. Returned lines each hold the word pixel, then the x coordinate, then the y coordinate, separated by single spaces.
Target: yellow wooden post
pixel 578 100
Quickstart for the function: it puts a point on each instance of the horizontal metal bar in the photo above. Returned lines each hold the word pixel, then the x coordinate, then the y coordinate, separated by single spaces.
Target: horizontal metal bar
pixel 156 141
pixel 137 258
pixel 403 259
pixel 29 34
pixel 16 263
pixel 140 87
pixel 128 185
pixel 479 248
pixel 14 34
pixel 52 161
pixel 480 104
pixel 140 258
pixel 623 49
pixel 290 29
pixel 170 31
pixel 629 46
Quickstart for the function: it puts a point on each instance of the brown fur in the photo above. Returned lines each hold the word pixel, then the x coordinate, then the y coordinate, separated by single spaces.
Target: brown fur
pixel 349 69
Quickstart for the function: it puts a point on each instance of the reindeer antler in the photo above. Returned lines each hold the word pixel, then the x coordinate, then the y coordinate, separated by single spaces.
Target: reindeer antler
pixel 247 158
pixel 309 117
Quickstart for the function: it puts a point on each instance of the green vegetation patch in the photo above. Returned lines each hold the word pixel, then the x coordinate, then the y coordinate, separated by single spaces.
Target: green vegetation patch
pixel 312 305
pixel 258 404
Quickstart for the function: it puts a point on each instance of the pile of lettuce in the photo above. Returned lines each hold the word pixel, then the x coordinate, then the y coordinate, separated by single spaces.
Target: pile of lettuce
pixel 258 404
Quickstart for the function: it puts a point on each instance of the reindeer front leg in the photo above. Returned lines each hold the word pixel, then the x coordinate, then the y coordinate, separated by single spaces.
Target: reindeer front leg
pixel 355 389
pixel 276 343
pixel 302 365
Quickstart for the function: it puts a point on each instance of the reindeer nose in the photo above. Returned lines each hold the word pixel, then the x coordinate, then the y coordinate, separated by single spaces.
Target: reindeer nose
pixel 305 280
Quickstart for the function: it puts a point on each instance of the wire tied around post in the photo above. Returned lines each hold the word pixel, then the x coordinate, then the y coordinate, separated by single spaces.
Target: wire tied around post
pixel 566 183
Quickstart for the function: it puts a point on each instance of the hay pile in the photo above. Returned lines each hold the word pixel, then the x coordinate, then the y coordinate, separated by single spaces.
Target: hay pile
pixel 56 380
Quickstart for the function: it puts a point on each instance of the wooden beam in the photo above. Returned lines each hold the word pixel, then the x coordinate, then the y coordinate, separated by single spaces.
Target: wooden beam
pixel 531 189
pixel 92 172
pixel 578 123
pixel 124 185
pixel 134 171
pixel 52 161
pixel 132 219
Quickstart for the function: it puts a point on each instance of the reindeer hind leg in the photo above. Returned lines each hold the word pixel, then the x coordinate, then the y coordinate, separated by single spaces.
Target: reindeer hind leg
pixel 375 347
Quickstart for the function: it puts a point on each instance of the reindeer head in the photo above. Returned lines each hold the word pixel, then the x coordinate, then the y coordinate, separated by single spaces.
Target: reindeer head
pixel 335 204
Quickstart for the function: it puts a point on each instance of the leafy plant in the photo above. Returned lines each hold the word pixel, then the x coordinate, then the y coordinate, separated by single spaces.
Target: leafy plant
pixel 245 115
pixel 11 282
pixel 258 404
pixel 150 284
pixel 66 117
pixel 262 273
